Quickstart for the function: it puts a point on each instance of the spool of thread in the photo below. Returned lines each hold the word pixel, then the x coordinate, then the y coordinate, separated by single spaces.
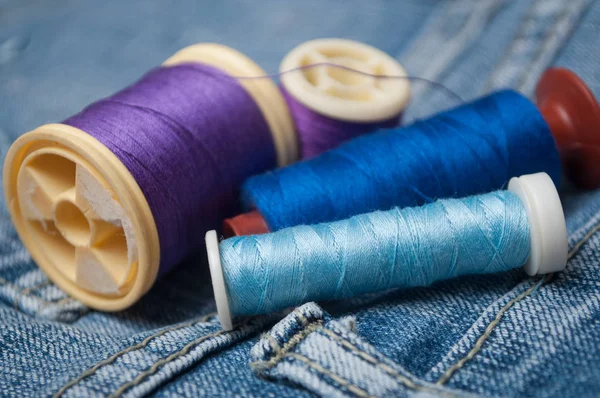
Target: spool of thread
pixel 329 104
pixel 398 248
pixel 121 192
pixel 118 194
pixel 473 149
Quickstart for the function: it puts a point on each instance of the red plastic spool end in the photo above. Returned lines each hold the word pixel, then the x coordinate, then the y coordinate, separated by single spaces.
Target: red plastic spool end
pixel 251 223
pixel 573 115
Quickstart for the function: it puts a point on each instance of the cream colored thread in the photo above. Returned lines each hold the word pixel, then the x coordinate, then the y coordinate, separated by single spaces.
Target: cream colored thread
pixel 479 343
pixel 291 343
pixel 583 240
pixel 301 317
pixel 488 331
pixel 272 342
pixel 114 357
pixel 184 351
pixel 58 303
pixel 343 382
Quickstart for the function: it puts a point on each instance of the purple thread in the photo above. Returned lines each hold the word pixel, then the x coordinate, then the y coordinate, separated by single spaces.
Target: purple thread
pixel 318 133
pixel 190 135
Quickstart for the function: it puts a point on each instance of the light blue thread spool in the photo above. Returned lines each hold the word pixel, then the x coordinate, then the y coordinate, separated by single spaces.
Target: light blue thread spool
pixel 399 248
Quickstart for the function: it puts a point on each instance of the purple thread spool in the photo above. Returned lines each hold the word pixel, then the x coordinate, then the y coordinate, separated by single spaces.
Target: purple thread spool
pixel 330 105
pixel 122 191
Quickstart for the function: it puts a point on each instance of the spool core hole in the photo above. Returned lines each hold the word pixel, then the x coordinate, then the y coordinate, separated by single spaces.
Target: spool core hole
pixel 72 223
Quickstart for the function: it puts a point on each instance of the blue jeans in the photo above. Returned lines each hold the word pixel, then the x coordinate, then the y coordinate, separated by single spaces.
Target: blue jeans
pixel 501 335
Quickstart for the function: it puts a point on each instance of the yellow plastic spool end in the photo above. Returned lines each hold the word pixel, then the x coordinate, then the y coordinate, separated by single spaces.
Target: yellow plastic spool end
pixel 82 215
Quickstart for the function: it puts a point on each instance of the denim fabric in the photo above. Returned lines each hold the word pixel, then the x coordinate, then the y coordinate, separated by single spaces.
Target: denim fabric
pixel 497 335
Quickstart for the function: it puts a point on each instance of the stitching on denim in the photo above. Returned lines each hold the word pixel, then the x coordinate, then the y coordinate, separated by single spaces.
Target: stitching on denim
pixel 374 361
pixel 301 318
pixel 542 46
pixel 164 361
pixel 59 303
pixel 583 240
pixel 407 382
pixel 22 292
pixel 114 357
pixel 29 292
pixel 531 16
pixel 488 330
pixel 290 344
pixel 359 392
pixel 272 342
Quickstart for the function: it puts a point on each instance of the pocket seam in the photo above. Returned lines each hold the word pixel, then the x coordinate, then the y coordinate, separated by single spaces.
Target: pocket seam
pixel 127 350
pixel 359 392
pixel 162 362
pixel 478 345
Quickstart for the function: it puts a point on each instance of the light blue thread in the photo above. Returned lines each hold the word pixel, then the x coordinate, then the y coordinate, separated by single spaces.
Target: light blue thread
pixel 375 251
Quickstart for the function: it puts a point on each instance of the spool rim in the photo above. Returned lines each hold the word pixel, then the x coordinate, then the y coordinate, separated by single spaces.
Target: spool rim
pixel 218 280
pixel 251 223
pixel 101 160
pixel 548 229
pixel 573 116
pixel 264 91
pixel 343 97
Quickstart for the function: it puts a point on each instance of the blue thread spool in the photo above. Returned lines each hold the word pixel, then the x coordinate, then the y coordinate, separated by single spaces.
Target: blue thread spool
pixel 395 249
pixel 472 149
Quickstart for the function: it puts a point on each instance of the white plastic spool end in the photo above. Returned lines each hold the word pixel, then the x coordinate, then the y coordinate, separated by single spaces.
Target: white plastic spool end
pixel 218 281
pixel 548 230
pixel 342 93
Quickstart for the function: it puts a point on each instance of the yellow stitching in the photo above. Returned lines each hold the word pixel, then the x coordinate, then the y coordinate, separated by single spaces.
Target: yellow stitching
pixel 28 291
pixel 114 357
pixel 21 292
pixel 343 382
pixel 583 240
pixel 291 343
pixel 272 342
pixel 301 318
pixel 488 330
pixel 383 366
pixel 49 303
pixel 184 351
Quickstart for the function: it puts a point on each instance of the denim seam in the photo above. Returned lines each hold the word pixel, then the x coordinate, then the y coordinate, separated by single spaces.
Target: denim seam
pixel 129 349
pixel 280 352
pixel 542 46
pixel 24 292
pixel 57 303
pixel 488 330
pixel 359 392
pixel 477 11
pixel 407 382
pixel 164 361
pixel 531 16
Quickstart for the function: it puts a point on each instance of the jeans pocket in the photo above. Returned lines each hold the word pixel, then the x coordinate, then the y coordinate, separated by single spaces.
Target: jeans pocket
pixel 323 355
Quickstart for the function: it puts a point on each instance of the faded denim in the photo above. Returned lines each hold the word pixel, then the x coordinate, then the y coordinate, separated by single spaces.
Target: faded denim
pixel 497 335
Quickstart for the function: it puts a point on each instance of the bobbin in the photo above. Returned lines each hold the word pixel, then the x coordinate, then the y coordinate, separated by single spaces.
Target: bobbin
pixel 343 93
pixel 548 237
pixel 82 215
pixel 572 114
